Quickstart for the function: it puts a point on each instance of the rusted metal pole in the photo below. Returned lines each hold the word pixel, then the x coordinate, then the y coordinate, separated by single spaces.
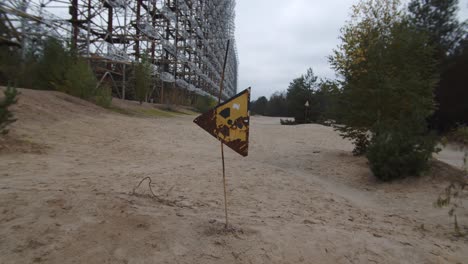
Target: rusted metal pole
pixel 222 145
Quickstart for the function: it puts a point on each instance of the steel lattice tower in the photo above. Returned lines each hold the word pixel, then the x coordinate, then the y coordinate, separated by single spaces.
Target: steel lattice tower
pixel 185 40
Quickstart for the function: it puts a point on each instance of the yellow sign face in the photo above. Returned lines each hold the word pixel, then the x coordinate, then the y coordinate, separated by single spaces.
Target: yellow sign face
pixel 229 122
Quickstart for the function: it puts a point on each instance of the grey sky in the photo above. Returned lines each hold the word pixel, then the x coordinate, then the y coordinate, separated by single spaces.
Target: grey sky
pixel 278 40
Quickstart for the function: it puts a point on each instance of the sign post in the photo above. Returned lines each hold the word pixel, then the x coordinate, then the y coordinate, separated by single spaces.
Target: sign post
pixel 229 123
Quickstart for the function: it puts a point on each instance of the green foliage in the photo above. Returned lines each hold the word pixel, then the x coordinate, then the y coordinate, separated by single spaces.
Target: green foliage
pixel 9 64
pixel 357 105
pixel 297 95
pixel 142 77
pixel 396 152
pixel 277 105
pixel 438 18
pixel 389 74
pixel 28 74
pixel 16 70
pixel 324 101
pixel 259 106
pixel 53 65
pixel 6 116
pixel 204 103
pixel 322 97
pixel 78 80
pixel 58 68
pixel 449 36
pixel 103 97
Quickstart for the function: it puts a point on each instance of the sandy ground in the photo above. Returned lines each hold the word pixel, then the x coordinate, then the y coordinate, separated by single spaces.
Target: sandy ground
pixel 453 155
pixel 68 169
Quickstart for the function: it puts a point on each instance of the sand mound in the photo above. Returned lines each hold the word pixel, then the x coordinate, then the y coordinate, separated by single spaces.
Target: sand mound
pixel 45 107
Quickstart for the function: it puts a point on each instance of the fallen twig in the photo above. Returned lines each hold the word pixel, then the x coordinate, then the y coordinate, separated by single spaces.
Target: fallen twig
pixel 158 199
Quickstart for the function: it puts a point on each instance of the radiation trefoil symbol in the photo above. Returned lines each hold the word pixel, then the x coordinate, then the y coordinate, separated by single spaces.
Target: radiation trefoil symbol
pixel 229 122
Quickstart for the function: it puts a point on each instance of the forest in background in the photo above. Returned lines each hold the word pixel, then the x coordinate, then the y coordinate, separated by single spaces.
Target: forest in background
pixel 443 32
pixel 401 80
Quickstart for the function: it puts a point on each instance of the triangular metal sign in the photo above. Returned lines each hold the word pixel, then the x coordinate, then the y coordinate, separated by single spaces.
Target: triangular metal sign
pixel 229 122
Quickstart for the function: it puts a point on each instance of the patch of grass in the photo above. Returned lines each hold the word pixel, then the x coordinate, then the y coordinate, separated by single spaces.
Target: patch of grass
pixel 146 112
pixel 152 112
pixel 103 97
pixel 204 103
pixel 189 112
pixel 121 111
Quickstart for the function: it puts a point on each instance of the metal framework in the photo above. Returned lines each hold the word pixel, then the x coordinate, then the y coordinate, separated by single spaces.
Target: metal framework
pixel 184 40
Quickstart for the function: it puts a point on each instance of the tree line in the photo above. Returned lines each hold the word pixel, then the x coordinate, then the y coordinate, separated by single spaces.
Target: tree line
pixel 292 102
pixel 50 64
pixel 402 78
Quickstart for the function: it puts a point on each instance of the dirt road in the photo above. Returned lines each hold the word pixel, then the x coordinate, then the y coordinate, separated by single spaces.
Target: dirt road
pixel 68 169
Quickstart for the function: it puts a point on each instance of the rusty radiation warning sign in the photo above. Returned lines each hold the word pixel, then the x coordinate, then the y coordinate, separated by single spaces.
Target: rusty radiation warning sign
pixel 229 122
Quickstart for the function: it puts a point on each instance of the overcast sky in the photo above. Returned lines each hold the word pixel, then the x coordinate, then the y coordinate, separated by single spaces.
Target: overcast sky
pixel 278 40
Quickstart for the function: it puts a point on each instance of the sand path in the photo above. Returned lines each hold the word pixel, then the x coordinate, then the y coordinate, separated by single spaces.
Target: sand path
pixel 66 196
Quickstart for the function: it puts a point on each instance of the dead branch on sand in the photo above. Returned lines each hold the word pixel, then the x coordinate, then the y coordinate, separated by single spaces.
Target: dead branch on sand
pixel 167 202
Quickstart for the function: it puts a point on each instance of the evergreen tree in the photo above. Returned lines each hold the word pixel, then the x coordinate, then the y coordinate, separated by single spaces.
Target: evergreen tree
pixel 277 105
pixel 438 18
pixel 356 105
pixel 6 116
pixel 300 91
pixel 79 80
pixel 53 64
pixel 260 105
pixel 325 99
pixel 388 75
pixel 142 79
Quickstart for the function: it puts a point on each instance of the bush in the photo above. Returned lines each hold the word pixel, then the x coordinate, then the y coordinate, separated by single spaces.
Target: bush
pixel 388 72
pixel 53 65
pixel 79 80
pixel 103 97
pixel 142 79
pixel 204 103
pixel 9 65
pixel 18 71
pixel 398 153
pixel 6 116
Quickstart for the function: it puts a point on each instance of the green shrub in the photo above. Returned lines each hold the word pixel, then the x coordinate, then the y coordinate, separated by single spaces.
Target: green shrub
pixel 103 97
pixel 79 80
pixel 6 116
pixel 18 71
pixel 388 71
pixel 142 79
pixel 54 63
pixel 204 103
pixel 398 153
pixel 9 64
